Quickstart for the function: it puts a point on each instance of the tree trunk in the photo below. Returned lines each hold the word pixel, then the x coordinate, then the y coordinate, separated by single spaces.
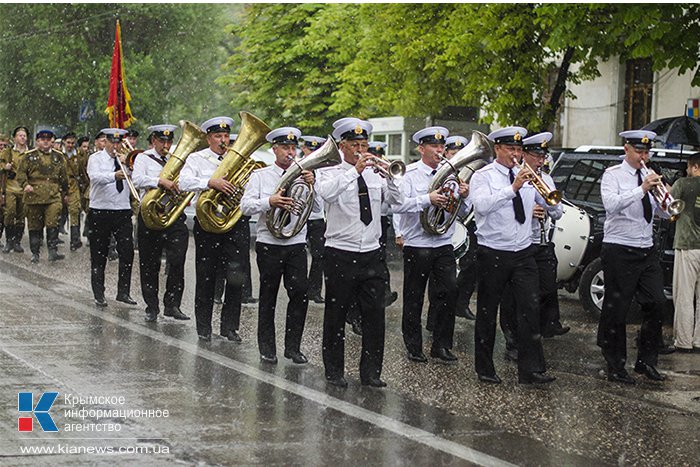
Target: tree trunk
pixel 559 88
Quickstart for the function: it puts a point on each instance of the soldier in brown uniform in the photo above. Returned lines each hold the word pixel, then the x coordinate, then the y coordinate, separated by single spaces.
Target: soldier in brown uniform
pixel 73 163
pixel 4 143
pixel 43 177
pixel 10 159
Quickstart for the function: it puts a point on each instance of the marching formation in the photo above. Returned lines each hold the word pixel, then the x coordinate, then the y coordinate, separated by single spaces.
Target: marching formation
pixel 334 195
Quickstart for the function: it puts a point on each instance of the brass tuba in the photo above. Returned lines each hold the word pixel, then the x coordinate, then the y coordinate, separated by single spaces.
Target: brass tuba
pixel 160 207
pixel 218 212
pixel 284 223
pixel 479 152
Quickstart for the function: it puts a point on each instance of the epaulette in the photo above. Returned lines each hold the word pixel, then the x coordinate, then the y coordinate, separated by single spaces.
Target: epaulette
pixel 613 167
pixel 412 166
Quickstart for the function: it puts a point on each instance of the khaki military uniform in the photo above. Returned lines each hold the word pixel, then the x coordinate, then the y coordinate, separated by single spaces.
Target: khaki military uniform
pixel 14 206
pixel 84 181
pixel 73 163
pixel 47 173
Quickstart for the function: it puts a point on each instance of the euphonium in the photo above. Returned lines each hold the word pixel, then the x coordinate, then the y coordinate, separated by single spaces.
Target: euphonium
pixel 284 223
pixel 124 151
pixel 160 207
pixel 218 212
pixel 552 197
pixel 668 203
pixel 479 152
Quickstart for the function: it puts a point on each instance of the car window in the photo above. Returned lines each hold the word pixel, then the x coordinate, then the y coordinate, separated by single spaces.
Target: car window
pixel 582 183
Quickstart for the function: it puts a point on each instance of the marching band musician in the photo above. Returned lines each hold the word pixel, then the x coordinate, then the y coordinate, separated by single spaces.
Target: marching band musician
pixel 630 261
pixel 503 205
pixel 110 214
pixel 427 255
pixel 315 230
pixel 215 251
pixel 354 269
pixel 276 257
pixel 147 168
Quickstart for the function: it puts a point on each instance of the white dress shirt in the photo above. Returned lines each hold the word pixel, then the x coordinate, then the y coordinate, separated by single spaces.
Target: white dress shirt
pixel 415 185
pixel 338 187
pixel 256 200
pixel 317 211
pixel 553 212
pixel 491 194
pixel 198 169
pixel 146 171
pixel 103 184
pixel 624 213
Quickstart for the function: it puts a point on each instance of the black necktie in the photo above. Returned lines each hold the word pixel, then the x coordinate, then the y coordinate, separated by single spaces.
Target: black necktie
pixel 163 159
pixel 645 201
pixel 120 183
pixel 517 202
pixel 365 210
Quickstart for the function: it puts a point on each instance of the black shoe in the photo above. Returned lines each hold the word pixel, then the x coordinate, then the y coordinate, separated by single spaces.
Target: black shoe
pixel 249 300
pixel 666 349
pixel 125 298
pixel 101 302
pixel 443 354
pixel 233 336
pixel 112 255
pixel 316 298
pixel 511 355
pixel 491 379
pixel 620 376
pixel 174 312
pixel 649 371
pixel 218 301
pixel 7 248
pixel 55 256
pixel 535 378
pixel 204 337
pixel 268 358
pixel 297 357
pixel 684 350
pixel 357 327
pixel 373 382
pixel 561 330
pixel 417 357
pixel 75 246
pixel 469 315
pixel 35 258
pixel 151 316
pixel 337 381
pixel 17 248
pixel 59 241
pixel 390 298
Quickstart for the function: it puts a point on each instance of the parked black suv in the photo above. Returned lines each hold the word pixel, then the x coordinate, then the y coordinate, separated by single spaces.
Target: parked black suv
pixel 577 174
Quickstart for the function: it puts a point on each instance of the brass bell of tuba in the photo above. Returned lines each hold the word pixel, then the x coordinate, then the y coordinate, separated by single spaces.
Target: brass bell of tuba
pixel 479 152
pixel 283 223
pixel 218 212
pixel 160 207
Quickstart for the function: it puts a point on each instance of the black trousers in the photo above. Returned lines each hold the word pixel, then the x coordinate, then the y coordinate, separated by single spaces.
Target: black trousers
pixel 274 263
pixel 102 224
pixel 174 240
pixel 466 279
pixel 439 264
pixel 628 270
pixel 496 269
pixel 546 261
pixel 354 277
pixel 247 290
pixel 215 252
pixel 315 231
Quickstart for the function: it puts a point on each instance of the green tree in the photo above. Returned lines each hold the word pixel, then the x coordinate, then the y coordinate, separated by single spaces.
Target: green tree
pixel 55 55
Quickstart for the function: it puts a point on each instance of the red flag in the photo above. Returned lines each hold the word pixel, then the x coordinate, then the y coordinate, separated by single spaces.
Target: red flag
pixel 118 104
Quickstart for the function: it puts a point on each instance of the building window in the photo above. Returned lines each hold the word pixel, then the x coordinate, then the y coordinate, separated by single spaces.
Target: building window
pixel 639 79
pixel 394 143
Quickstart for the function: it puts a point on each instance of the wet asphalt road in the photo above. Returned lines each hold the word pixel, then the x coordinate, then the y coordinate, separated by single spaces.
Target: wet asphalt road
pixel 226 407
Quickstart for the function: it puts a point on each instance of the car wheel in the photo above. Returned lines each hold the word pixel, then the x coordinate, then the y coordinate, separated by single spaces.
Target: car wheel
pixel 592 288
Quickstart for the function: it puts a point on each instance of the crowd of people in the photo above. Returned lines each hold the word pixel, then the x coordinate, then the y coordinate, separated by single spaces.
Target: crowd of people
pixel 510 262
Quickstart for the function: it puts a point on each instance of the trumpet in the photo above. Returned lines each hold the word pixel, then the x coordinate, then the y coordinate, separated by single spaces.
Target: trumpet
pixel 393 170
pixel 127 149
pixel 668 203
pixel 552 197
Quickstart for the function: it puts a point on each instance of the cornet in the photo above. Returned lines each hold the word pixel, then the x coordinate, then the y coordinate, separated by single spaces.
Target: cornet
pixel 393 170
pixel 668 203
pixel 552 197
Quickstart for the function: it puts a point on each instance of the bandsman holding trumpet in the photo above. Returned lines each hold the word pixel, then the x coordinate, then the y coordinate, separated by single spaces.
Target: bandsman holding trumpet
pixel 215 251
pixel 352 193
pixel 279 257
pixel 426 254
pixel 503 201
pixel 630 261
pixel 110 214
pixel 147 169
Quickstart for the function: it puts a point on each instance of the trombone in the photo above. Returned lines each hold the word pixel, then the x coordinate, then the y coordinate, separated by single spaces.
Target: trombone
pixel 668 203
pixel 552 197
pixel 129 148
